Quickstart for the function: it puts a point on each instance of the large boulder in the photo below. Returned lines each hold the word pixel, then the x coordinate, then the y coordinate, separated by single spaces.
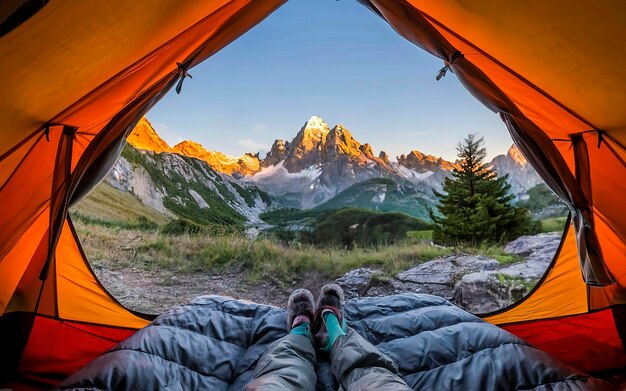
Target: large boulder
pixel 439 276
pixel 487 291
pixel 474 282
pixel 539 246
pixel 537 251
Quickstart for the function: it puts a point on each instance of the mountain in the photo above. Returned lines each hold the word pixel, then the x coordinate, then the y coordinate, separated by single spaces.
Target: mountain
pixel 305 149
pixel 226 164
pixel 320 167
pixel 145 137
pixel 522 176
pixel 178 186
pixel 384 195
pixel 320 162
pixel 422 163
pixel 160 183
pixel 317 164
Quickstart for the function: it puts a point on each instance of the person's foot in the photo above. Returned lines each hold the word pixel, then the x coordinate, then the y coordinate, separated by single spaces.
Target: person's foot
pixel 331 298
pixel 300 308
pixel 329 322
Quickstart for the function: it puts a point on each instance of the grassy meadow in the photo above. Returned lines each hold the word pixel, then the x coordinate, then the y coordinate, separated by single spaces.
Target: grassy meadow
pixel 262 258
pixel 118 231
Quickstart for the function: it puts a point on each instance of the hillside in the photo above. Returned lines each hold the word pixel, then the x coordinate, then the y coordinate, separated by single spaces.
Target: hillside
pixel 346 227
pixel 145 186
pixel 108 204
pixel 384 195
pixel 187 188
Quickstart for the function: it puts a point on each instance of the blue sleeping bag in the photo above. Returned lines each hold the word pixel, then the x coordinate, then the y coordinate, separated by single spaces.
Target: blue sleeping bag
pixel 214 342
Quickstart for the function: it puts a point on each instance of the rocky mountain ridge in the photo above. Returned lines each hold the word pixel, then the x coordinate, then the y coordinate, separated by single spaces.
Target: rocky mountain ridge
pixel 522 176
pixel 321 162
pixel 146 138
pixel 180 187
pixel 226 164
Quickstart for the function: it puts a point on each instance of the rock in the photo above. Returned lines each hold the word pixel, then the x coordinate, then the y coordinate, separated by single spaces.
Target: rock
pixel 133 179
pixel 366 149
pixel 544 245
pixel 420 162
pixel 358 282
pixel 438 277
pixel 277 153
pixel 252 233
pixel 538 251
pixel 522 176
pixel 478 284
pixel 480 292
pixel 199 200
pixel 487 291
pixel 484 292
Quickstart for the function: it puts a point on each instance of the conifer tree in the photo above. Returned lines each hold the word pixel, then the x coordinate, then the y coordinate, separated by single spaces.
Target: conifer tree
pixel 475 206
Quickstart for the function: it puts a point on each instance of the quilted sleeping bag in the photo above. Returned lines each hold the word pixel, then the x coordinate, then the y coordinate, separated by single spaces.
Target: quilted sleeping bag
pixel 214 342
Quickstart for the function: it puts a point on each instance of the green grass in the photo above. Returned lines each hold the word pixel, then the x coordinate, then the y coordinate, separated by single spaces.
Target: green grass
pixel 495 252
pixel 402 197
pixel 519 286
pixel 423 235
pixel 108 205
pixel 140 224
pixel 553 224
pixel 346 227
pixel 260 260
pixel 288 216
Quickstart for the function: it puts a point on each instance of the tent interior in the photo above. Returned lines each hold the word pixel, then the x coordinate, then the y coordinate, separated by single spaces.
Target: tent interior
pixel 78 75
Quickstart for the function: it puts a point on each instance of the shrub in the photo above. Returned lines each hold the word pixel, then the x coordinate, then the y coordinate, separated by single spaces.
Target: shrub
pixel 183 227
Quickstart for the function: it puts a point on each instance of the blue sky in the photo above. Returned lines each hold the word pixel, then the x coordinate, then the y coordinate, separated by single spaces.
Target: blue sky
pixel 334 59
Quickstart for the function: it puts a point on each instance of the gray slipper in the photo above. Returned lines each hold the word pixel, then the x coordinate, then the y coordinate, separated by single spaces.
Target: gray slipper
pixel 300 303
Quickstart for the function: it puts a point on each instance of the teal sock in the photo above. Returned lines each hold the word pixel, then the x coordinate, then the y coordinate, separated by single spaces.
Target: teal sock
pixel 301 329
pixel 333 329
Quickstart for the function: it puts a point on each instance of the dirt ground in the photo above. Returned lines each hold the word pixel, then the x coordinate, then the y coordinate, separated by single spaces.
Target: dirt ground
pixel 156 291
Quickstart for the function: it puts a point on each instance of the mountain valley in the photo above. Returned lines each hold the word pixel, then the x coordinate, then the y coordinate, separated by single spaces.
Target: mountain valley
pixel 321 168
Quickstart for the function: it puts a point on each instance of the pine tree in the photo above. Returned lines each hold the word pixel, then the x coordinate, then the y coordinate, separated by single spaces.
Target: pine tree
pixel 476 205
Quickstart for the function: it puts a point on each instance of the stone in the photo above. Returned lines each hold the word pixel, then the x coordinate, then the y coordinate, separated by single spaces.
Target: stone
pixel 538 252
pixel 477 283
pixel 541 245
pixel 480 292
pixel 439 276
pixel 358 282
pixel 484 292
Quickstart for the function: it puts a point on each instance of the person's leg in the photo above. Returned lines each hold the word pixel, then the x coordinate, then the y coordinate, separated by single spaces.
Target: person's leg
pixel 289 363
pixel 356 364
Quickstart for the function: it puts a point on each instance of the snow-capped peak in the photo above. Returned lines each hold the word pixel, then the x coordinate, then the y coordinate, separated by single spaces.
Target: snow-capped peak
pixel 315 128
pixel 316 122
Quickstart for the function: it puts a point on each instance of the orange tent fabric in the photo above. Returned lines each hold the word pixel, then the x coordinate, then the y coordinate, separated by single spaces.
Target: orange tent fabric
pixel 543 67
pixel 77 76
